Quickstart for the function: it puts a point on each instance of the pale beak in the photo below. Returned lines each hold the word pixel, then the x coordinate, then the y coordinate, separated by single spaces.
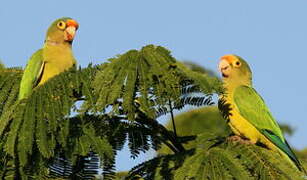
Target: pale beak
pixel 69 33
pixel 224 67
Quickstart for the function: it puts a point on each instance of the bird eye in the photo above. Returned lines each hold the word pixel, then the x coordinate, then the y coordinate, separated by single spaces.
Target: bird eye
pixel 61 25
pixel 238 64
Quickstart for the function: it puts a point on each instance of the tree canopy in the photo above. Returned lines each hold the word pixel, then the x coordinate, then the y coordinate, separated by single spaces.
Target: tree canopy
pixel 73 126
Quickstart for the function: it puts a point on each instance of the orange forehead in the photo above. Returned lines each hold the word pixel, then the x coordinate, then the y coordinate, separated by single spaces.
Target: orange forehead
pixel 230 58
pixel 72 22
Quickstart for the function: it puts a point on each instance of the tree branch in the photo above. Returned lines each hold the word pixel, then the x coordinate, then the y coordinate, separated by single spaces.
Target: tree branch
pixel 155 126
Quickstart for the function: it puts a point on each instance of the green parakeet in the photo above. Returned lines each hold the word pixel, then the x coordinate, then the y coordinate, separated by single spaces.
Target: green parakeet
pixel 246 112
pixel 55 57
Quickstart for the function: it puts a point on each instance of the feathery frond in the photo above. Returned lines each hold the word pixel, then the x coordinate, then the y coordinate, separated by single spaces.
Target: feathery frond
pixel 152 77
pixel 73 125
pixel 218 158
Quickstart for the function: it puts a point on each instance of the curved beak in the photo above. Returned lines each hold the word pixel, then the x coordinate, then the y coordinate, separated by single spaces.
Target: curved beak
pixel 70 31
pixel 224 68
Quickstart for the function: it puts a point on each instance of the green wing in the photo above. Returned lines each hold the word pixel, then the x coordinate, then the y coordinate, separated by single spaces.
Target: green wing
pixel 31 74
pixel 252 107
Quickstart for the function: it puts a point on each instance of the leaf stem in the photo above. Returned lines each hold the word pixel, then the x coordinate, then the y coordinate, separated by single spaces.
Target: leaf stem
pixel 172 116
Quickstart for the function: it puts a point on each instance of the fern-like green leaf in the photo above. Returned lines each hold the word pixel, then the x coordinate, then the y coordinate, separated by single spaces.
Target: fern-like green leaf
pixel 150 76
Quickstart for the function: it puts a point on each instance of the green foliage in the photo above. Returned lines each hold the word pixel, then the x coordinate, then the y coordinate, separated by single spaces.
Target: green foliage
pixel 286 129
pixel 121 175
pixel 161 167
pixel 2 66
pixel 205 119
pixel 218 158
pixel 197 68
pixel 151 76
pixel 34 129
pixel 197 121
pixel 214 156
pixel 72 126
pixel 83 111
pixel 236 161
pixel 9 85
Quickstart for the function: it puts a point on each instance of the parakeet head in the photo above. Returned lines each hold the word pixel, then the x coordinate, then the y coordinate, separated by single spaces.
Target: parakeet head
pixel 62 30
pixel 234 68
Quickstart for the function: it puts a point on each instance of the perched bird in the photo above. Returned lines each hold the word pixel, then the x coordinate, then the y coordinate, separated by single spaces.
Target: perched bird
pixel 246 112
pixel 55 57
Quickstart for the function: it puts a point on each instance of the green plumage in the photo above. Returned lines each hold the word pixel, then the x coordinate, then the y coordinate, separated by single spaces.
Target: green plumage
pixel 248 114
pixel 31 74
pixel 252 107
pixel 55 57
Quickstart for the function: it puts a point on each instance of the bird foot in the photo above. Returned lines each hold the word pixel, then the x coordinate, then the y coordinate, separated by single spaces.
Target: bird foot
pixel 239 139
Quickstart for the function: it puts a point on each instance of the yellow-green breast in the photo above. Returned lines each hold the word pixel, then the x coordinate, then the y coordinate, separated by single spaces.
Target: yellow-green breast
pixel 240 126
pixel 57 59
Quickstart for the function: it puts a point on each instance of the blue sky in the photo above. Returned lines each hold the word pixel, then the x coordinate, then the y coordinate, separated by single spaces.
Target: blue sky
pixel 270 35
